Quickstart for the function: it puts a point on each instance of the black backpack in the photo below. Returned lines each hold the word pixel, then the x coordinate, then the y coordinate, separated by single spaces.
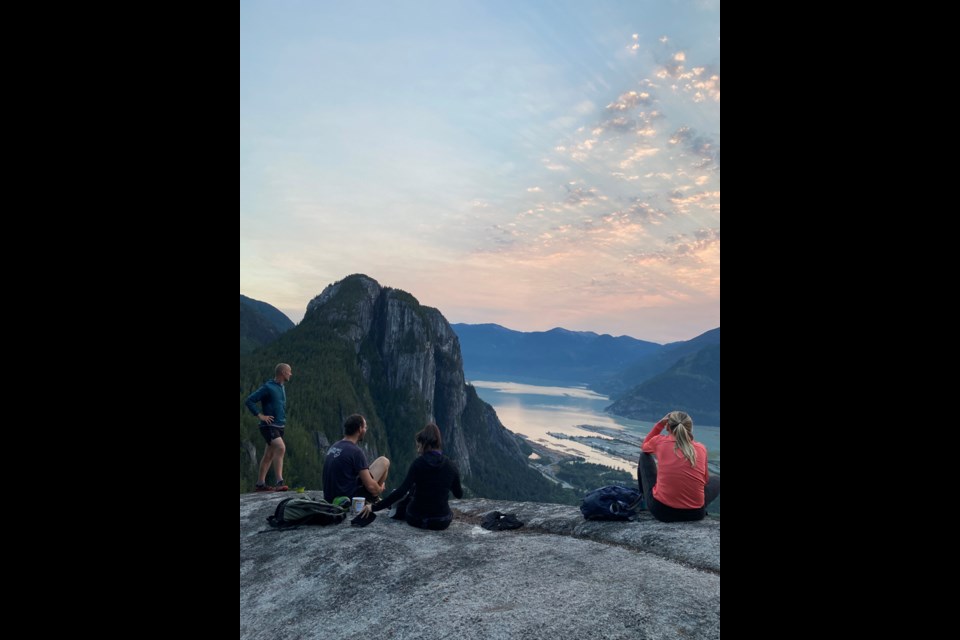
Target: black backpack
pixel 612 503
pixel 299 510
pixel 496 521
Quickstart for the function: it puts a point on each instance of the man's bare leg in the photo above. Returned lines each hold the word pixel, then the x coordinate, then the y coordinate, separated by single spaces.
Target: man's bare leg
pixel 379 469
pixel 279 448
pixel 265 464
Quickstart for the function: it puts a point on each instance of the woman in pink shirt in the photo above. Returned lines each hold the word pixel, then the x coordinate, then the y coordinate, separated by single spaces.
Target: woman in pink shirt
pixel 677 486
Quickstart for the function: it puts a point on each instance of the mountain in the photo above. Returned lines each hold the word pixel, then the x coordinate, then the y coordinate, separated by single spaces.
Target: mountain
pixel 558 355
pixel 691 385
pixel 654 363
pixel 363 348
pixel 260 323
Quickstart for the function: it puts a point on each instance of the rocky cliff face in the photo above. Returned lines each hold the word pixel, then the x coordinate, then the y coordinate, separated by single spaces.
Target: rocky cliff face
pixel 351 314
pixel 410 359
pixel 559 576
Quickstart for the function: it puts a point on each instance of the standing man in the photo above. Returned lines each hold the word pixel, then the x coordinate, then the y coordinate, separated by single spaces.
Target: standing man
pixel 345 470
pixel 273 400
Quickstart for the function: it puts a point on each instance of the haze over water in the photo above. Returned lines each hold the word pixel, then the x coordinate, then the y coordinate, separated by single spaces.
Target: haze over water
pixel 535 410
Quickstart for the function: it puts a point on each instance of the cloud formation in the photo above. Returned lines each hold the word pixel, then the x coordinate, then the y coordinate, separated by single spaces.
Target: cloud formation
pixel 644 185
pixel 559 176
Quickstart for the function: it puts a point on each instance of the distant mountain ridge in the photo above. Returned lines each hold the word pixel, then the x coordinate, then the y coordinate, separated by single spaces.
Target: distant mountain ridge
pixel 692 384
pixel 645 379
pixel 260 323
pixel 273 315
pixel 655 363
pixel 557 355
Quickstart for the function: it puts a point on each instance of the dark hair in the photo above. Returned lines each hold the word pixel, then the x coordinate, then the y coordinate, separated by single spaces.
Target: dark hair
pixel 429 438
pixel 352 424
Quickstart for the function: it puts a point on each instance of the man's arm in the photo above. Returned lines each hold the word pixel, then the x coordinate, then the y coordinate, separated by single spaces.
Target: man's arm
pixel 397 493
pixel 371 485
pixel 254 398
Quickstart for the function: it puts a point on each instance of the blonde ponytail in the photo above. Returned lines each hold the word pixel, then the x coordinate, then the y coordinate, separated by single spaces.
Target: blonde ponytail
pixel 682 427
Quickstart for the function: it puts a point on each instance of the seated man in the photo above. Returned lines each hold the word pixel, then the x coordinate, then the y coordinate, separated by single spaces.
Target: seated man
pixel 345 470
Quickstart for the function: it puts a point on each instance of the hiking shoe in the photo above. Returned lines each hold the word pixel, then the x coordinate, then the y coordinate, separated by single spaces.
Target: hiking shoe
pixel 263 487
pixel 279 486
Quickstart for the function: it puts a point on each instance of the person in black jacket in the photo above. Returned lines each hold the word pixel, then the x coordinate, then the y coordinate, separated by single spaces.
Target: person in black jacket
pixel 431 476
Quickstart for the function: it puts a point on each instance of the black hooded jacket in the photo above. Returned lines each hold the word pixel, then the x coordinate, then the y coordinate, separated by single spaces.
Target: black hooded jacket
pixel 432 476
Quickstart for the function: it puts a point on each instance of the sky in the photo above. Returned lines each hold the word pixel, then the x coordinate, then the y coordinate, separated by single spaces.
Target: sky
pixel 528 163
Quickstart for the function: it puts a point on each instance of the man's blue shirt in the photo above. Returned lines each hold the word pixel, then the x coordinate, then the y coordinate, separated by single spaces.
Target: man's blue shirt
pixel 273 398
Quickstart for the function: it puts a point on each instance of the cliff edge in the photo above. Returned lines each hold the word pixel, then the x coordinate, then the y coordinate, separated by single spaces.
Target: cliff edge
pixel 557 577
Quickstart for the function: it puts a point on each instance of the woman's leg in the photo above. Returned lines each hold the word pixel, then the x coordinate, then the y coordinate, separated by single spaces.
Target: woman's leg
pixel 647 476
pixel 711 490
pixel 400 507
pixel 436 523
pixel 439 524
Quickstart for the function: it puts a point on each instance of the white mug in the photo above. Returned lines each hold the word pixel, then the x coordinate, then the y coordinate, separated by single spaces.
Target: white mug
pixel 357 505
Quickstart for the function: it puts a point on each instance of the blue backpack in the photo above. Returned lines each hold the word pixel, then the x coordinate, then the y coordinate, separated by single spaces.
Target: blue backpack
pixel 612 503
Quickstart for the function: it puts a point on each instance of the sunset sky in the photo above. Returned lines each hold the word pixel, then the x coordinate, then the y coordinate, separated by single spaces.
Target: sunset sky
pixel 533 164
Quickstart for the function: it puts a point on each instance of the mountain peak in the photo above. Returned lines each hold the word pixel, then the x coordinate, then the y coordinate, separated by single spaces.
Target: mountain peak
pixel 357 285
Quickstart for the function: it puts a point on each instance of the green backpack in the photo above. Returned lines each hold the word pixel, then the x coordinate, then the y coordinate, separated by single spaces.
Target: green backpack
pixel 299 510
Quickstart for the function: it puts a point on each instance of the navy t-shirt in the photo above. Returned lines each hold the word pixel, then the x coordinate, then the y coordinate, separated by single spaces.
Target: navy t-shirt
pixel 341 469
